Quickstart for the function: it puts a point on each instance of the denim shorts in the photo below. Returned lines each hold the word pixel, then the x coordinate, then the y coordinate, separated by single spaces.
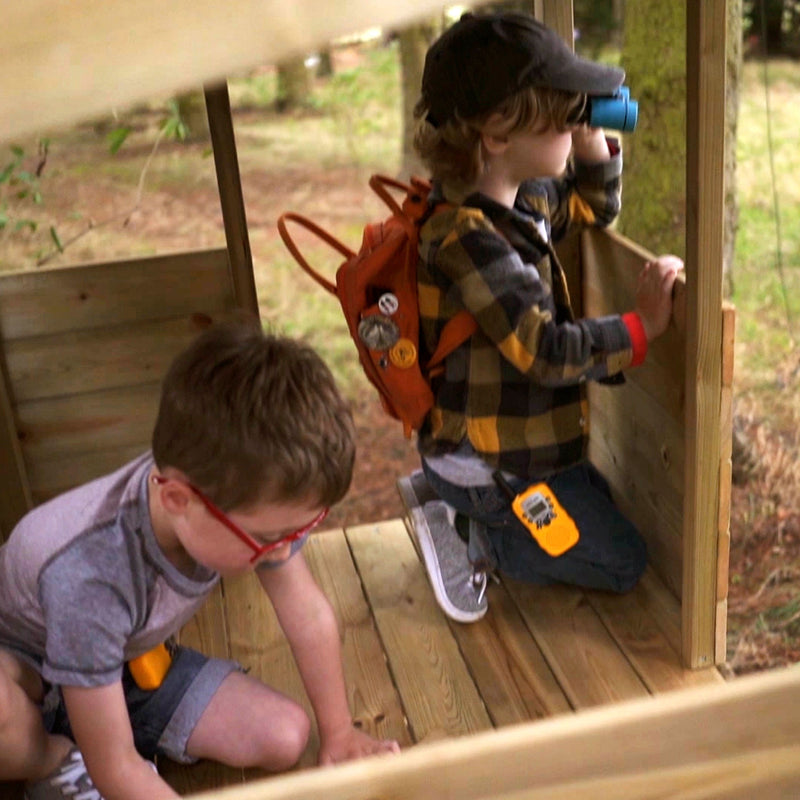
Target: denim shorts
pixel 162 719
pixel 610 553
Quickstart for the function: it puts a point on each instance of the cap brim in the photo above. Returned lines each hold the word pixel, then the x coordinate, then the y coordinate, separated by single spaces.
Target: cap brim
pixel 589 77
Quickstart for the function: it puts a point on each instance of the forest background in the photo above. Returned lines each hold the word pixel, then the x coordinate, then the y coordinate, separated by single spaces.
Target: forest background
pixel 310 132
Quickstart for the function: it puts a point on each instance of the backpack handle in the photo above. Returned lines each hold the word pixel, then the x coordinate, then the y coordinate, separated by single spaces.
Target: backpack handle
pixel 326 237
pixel 414 204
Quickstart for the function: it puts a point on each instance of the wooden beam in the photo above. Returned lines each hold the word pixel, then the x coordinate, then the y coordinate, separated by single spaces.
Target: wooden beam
pixel 65 62
pixel 705 125
pixel 223 141
pixel 731 740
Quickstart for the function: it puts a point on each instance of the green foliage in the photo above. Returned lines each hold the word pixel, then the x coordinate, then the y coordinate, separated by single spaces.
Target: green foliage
pixel 173 125
pixel 116 138
pixel 767 298
pixel 20 190
pixel 595 26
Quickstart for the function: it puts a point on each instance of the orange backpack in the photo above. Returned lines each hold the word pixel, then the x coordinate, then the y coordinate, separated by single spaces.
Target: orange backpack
pixel 377 289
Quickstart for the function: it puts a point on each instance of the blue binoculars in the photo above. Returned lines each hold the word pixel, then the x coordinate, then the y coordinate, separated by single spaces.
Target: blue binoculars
pixel 616 111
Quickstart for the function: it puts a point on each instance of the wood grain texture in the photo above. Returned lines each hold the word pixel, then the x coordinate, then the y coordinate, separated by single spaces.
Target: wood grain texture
pixel 81 361
pixel 374 700
pixel 582 654
pixel 705 118
pixel 90 296
pixel 437 690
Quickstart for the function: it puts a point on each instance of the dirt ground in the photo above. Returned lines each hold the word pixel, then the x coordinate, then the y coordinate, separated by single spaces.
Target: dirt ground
pixel 764 609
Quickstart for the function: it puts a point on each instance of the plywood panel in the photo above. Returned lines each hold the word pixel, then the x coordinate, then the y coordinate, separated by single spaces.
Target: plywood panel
pixel 421 649
pixel 98 295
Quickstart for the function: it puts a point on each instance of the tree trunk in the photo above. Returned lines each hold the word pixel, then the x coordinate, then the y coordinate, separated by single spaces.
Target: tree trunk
pixel 413 42
pixel 654 58
pixel 733 76
pixel 294 84
pixel 325 66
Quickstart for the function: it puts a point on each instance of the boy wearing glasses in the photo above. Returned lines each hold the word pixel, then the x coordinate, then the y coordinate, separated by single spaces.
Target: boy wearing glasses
pixel 501 128
pixel 252 445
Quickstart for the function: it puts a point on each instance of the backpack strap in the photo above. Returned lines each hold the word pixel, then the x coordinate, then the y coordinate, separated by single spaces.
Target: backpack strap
pixel 326 237
pixel 455 333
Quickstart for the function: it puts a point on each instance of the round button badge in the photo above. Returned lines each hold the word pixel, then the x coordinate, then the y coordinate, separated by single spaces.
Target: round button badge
pixel 388 304
pixel 403 354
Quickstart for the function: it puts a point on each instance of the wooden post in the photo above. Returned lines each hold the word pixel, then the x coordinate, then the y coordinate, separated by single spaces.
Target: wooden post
pixel 229 182
pixel 705 126
pixel 556 14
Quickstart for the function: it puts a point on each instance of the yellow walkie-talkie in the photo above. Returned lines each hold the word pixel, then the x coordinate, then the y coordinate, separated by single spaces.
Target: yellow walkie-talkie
pixel 538 509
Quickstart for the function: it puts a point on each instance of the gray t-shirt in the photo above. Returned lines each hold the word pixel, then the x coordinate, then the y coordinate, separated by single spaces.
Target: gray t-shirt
pixel 84 586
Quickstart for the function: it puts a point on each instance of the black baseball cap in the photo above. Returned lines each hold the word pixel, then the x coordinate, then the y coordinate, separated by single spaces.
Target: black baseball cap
pixel 482 59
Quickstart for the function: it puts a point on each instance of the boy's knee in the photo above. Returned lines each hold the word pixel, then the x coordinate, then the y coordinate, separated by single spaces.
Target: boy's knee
pixel 283 749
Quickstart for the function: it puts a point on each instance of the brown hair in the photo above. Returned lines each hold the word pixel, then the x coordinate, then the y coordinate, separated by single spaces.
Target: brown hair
pixel 452 152
pixel 248 416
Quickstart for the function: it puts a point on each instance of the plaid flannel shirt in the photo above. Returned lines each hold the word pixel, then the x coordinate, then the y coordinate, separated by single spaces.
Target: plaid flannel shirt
pixel 516 388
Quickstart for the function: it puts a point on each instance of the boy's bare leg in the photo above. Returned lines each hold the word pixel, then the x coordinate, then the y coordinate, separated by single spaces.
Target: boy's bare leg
pixel 27 751
pixel 247 724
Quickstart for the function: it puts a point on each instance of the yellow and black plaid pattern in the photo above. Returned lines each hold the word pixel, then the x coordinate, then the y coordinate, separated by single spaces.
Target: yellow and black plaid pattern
pixel 515 389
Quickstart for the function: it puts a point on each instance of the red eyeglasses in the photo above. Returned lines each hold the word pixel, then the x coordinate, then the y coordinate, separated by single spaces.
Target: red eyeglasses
pixel 257 547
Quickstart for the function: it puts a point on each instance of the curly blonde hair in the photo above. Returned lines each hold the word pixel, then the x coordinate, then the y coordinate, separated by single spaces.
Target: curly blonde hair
pixel 452 151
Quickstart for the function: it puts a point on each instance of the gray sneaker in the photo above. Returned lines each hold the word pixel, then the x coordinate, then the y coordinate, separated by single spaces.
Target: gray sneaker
pixel 459 588
pixel 69 781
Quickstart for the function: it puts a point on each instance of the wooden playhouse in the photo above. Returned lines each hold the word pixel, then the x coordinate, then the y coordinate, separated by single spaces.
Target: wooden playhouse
pixel 557 692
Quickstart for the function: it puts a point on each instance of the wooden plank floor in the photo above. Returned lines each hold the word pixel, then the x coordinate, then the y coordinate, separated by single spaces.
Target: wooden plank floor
pixel 416 676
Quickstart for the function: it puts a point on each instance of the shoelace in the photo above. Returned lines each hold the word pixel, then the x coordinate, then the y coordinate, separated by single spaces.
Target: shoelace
pixel 479 583
pixel 74 782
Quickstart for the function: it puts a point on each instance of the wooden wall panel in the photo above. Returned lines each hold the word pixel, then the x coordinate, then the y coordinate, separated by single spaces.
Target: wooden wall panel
pixel 637 437
pixel 85 349
pixel 91 296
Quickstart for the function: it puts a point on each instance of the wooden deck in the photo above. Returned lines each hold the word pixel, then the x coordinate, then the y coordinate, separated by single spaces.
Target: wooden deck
pixel 416 676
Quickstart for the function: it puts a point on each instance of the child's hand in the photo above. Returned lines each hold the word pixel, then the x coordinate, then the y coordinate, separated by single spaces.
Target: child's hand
pixel 654 294
pixel 350 743
pixel 589 144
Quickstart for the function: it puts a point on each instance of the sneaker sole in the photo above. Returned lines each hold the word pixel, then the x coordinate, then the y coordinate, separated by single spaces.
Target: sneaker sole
pixel 422 534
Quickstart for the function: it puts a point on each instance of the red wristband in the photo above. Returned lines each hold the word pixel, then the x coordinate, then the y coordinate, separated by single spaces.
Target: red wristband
pixel 633 323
